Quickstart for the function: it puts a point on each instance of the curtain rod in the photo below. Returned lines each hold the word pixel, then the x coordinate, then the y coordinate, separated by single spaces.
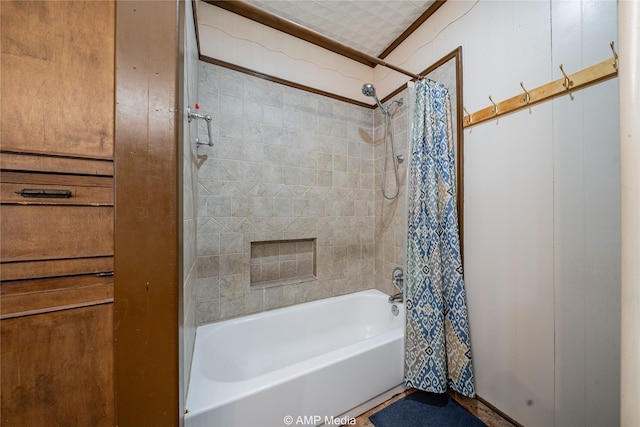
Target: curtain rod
pixel 379 61
pixel 594 74
pixel 394 68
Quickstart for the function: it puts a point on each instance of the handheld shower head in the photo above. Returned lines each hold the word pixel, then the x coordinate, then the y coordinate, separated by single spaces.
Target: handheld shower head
pixel 369 90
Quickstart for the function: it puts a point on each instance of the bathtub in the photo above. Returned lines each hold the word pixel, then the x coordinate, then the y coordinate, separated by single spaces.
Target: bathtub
pixel 322 362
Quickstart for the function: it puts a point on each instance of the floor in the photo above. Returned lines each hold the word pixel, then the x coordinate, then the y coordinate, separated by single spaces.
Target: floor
pixel 477 408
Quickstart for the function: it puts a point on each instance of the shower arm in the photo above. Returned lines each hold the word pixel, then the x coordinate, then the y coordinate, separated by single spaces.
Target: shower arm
pixel 382 107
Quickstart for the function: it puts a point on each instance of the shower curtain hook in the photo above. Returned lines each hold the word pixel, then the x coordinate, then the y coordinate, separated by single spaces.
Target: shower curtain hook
pixel 495 107
pixel 526 98
pixel 566 83
pixel 615 56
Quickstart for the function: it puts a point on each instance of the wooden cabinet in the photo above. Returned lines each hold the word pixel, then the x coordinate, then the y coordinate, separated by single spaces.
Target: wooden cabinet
pixel 57 213
pixel 56 370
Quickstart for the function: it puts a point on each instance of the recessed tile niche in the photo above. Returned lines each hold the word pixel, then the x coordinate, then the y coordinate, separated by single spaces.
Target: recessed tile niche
pixel 282 262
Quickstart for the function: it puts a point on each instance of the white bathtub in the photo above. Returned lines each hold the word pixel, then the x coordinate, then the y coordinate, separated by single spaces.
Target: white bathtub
pixel 310 362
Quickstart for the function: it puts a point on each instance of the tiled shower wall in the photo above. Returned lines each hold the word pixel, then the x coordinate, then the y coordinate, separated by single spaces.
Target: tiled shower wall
pixel 286 165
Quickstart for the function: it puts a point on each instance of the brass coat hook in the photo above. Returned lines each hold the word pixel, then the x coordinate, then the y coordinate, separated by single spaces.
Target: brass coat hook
pixel 527 97
pixel 566 83
pixel 495 107
pixel 615 56
pixel 468 116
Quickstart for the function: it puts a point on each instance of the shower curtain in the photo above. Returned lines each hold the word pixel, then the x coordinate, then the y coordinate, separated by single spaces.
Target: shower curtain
pixel 437 344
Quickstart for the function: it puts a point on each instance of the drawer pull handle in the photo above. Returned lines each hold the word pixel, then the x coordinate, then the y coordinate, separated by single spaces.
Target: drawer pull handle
pixel 44 193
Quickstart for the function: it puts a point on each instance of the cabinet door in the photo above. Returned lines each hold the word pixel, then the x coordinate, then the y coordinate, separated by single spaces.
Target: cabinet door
pixel 58 77
pixel 57 368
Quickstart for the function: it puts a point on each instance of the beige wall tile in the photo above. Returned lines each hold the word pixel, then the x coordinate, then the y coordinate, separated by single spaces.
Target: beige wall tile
pixel 289 165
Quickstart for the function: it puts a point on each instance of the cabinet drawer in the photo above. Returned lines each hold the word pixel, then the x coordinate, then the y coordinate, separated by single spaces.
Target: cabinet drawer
pixel 45 233
pixel 55 225
pixel 36 296
pixel 47 162
pixel 55 189
pixel 55 194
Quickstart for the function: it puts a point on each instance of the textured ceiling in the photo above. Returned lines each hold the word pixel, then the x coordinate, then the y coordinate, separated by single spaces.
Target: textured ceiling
pixel 366 25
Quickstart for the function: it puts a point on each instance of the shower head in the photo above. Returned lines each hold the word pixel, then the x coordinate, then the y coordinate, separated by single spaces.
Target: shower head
pixel 369 90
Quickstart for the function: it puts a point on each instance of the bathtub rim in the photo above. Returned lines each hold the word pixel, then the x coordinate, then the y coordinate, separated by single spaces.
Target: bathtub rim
pixel 301 306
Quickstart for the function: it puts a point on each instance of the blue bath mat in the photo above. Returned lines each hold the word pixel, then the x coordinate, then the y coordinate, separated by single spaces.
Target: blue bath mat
pixel 422 409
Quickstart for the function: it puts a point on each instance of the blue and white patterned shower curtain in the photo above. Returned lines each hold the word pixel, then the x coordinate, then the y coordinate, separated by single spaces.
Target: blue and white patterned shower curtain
pixel 437 344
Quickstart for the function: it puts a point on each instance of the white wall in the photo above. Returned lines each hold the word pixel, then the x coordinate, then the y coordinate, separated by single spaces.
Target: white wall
pixel 587 223
pixel 542 228
pixel 629 31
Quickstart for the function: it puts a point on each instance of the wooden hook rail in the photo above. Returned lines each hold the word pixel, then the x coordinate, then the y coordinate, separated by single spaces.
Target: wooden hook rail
pixel 565 85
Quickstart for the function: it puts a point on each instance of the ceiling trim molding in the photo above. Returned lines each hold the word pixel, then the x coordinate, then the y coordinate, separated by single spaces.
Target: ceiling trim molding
pixel 258 15
pixel 454 54
pixel 284 82
pixel 241 8
pixel 414 26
